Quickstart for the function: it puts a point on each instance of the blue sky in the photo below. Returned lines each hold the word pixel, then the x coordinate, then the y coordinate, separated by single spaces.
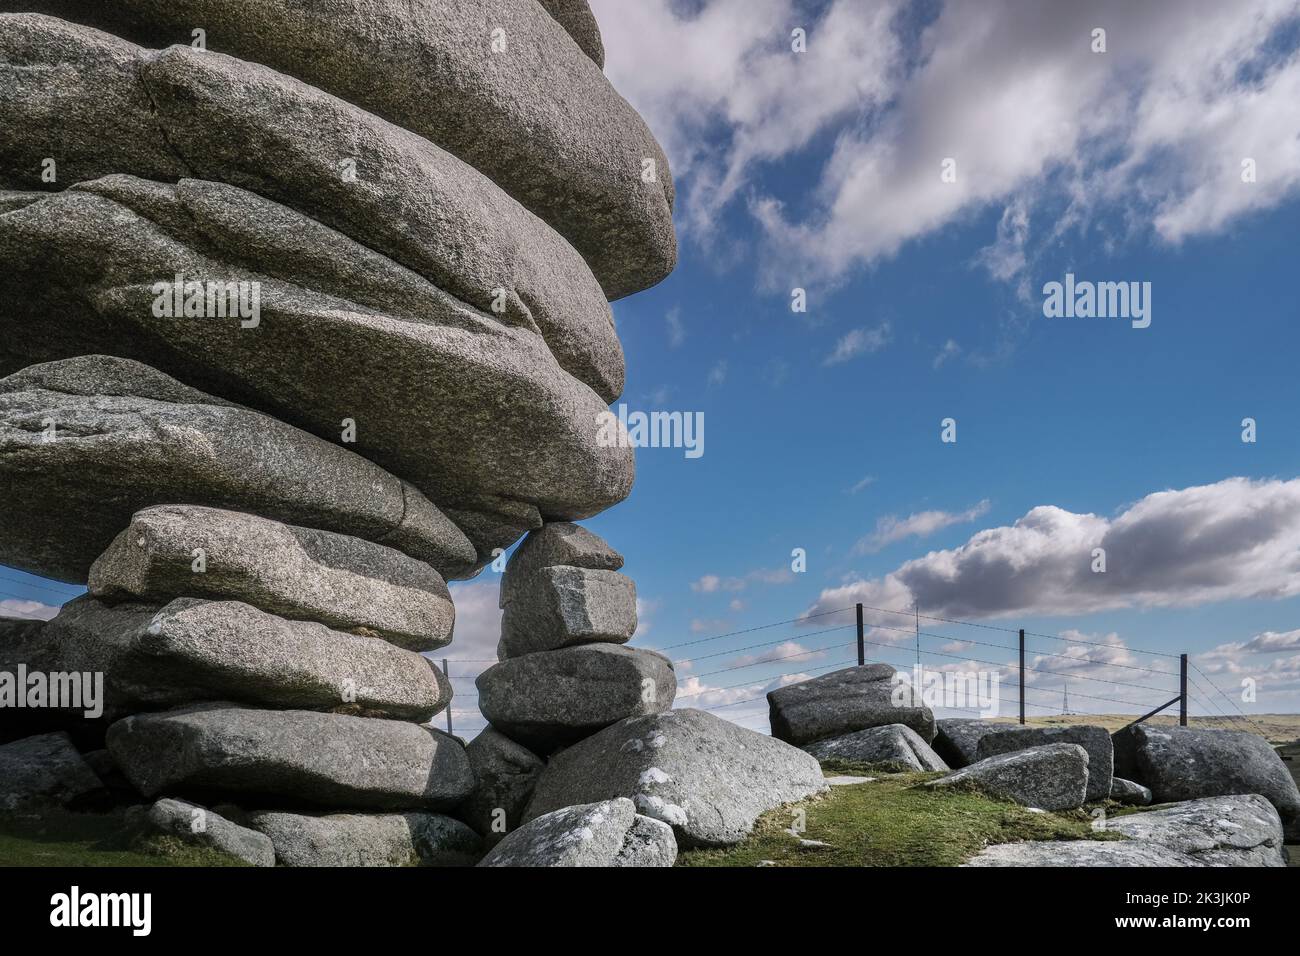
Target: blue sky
pixel 821 170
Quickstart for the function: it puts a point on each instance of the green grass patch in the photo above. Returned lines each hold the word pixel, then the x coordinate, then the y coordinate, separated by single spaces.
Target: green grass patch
pixel 888 823
pixel 61 838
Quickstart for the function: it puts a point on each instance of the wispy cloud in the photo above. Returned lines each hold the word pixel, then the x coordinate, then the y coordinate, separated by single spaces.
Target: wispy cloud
pixel 922 524
pixel 858 342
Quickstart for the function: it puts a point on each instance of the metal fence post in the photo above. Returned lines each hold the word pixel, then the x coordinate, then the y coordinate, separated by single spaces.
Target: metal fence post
pixel 1182 690
pixel 1022 675
pixel 862 654
pixel 447 674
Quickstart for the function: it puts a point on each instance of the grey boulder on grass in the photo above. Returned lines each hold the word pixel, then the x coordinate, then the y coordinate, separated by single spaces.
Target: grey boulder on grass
pixel 1050 777
pixel 329 760
pixel 1095 740
pixel 38 771
pixel 87 442
pixel 505 773
pixel 608 833
pixel 341 581
pixel 1184 763
pixel 556 543
pixel 555 698
pixel 1126 791
pixel 956 739
pixel 198 826
pixel 896 746
pixel 707 778
pixel 376 839
pixel 563 606
pixel 192 650
pixel 855 698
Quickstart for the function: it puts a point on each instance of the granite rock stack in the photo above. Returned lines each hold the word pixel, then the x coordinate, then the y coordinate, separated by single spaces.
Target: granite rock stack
pixel 308 315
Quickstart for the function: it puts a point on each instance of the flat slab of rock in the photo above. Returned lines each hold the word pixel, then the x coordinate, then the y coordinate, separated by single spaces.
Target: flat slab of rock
pixel 328 760
pixel 608 833
pixel 895 745
pixel 555 698
pixel 1242 830
pixel 569 148
pixel 855 698
pixel 1050 777
pixel 1095 740
pixel 556 543
pixel 344 582
pixel 198 826
pixel 353 839
pixel 192 650
pixel 707 778
pixel 1126 791
pixel 1074 853
pixel 957 739
pixel 505 773
pixel 40 771
pixel 564 606
pixel 87 442
pixel 1184 763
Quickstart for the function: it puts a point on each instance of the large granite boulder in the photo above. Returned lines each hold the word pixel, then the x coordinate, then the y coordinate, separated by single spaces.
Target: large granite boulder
pixel 45 770
pixel 1242 830
pixel 556 543
pixel 198 826
pixel 87 442
pixel 957 739
pixel 354 839
pixel 1095 740
pixel 843 701
pixel 192 650
pixel 537 116
pixel 555 698
pixel 505 773
pixel 707 778
pixel 1050 777
pixel 1184 763
pixel 341 581
pixel 608 833
pixel 564 606
pixel 1076 853
pixel 329 760
pixel 895 746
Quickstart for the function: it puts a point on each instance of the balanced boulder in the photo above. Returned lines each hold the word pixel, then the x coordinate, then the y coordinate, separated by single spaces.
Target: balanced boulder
pixel 1095 740
pixel 556 543
pixel 192 650
pixel 91 440
pixel 198 826
pixel 555 698
pixel 895 746
pixel 855 698
pixel 338 580
pixel 1184 763
pixel 505 773
pixel 1050 777
pixel 353 839
pixel 328 760
pixel 707 778
pixel 564 606
pixel 608 833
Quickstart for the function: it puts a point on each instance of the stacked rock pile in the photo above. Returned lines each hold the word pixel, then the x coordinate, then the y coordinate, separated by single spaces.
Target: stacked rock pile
pixel 308 315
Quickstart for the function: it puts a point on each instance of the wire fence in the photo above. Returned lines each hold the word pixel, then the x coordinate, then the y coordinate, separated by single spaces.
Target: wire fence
pixel 1037 675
